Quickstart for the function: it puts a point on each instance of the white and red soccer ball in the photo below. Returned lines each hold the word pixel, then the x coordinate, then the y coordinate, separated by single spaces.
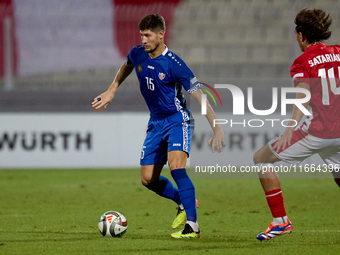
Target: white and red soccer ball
pixel 112 224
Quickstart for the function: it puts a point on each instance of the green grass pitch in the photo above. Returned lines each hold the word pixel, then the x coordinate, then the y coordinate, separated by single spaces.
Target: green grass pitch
pixel 57 212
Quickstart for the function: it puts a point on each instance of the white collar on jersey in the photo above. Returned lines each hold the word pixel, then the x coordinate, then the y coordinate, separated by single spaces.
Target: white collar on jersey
pixel 165 51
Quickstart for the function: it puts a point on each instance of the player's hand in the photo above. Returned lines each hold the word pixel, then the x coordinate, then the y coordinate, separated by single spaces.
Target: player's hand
pixel 284 140
pixel 102 100
pixel 217 140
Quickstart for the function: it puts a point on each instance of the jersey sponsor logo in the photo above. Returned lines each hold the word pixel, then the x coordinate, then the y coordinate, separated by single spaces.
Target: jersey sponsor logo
pixel 151 67
pixel 161 76
pixel 139 68
pixel 176 144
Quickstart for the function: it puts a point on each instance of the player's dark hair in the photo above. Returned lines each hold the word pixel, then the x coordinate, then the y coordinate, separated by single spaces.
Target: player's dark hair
pixel 153 22
pixel 313 24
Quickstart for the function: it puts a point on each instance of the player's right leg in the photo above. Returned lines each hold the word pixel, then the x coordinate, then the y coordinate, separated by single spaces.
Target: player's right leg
pixel 153 158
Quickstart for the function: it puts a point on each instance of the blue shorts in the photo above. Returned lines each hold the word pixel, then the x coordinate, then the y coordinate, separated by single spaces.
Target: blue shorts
pixel 170 133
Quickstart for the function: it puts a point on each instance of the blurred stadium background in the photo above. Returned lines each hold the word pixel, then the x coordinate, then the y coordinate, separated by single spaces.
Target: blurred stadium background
pixel 67 51
pixel 57 55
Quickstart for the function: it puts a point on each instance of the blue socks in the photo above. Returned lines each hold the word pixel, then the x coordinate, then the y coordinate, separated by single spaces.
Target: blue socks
pixel 185 194
pixel 186 191
pixel 164 187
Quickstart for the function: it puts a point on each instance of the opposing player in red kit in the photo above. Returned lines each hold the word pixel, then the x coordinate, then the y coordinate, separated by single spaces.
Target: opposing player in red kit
pixel 316 70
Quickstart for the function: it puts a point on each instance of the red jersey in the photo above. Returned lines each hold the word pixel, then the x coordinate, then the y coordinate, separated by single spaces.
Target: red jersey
pixel 318 64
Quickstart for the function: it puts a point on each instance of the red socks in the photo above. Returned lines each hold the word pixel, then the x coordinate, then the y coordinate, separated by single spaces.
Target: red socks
pixel 275 202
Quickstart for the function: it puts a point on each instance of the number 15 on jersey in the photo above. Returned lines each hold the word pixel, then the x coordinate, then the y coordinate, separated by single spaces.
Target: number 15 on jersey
pixel 149 83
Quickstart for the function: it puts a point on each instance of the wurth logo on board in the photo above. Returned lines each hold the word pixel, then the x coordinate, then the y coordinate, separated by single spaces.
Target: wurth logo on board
pixel 45 141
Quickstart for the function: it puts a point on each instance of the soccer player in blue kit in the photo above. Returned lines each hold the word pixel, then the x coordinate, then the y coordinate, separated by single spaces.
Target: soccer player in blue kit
pixel 161 75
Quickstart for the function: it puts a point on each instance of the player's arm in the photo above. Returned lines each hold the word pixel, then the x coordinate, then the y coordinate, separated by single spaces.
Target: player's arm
pixel 217 140
pixel 184 76
pixel 297 115
pixel 105 98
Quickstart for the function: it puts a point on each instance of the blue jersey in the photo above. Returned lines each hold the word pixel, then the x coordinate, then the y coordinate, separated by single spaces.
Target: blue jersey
pixel 161 80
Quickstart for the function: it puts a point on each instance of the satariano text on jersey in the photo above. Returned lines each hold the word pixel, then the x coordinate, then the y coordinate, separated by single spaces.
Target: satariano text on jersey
pixel 324 59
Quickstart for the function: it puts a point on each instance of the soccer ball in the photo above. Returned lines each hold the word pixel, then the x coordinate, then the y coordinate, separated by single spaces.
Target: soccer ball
pixel 112 224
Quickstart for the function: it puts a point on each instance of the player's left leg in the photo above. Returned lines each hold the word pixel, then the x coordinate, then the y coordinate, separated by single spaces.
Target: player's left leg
pixel 151 179
pixel 337 180
pixel 302 146
pixel 331 156
pixel 272 187
pixel 177 163
pixel 177 132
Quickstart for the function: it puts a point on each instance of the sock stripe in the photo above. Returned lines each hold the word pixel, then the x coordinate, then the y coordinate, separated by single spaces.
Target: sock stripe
pixel 274 194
